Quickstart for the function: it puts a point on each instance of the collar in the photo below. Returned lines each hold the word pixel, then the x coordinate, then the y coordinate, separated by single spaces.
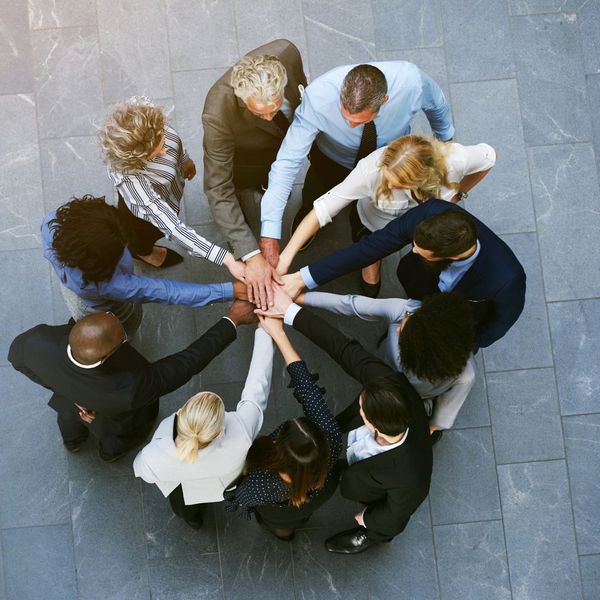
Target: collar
pixel 465 262
pixel 78 364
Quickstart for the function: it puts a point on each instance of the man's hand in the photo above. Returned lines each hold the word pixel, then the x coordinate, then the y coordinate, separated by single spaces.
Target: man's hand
pixel 84 414
pixel 188 169
pixel 270 249
pixel 236 267
pixel 281 303
pixel 260 276
pixel 242 313
pixel 239 290
pixel 273 327
pixel 358 517
pixel 293 284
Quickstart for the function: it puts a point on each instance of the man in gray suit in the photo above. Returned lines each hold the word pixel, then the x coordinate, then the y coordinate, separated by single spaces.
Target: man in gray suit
pixel 245 118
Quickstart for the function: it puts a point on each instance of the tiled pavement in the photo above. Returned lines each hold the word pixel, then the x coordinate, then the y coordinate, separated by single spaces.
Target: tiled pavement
pixel 514 510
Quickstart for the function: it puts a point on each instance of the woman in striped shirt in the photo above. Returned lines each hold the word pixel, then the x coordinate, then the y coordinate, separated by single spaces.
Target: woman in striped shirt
pixel 149 165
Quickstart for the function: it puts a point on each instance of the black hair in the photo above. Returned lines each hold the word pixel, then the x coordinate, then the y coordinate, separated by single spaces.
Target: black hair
pixel 447 234
pixel 386 407
pixel 89 236
pixel 437 340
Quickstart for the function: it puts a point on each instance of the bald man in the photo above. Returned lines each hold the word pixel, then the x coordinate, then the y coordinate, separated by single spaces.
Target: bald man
pixel 102 384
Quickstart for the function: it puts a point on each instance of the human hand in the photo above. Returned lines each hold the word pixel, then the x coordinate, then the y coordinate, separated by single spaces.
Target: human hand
pixel 283 266
pixel 293 284
pixel 281 302
pixel 239 290
pixel 260 278
pixel 274 327
pixel 188 169
pixel 84 414
pixel 241 312
pixel 270 250
pixel 236 267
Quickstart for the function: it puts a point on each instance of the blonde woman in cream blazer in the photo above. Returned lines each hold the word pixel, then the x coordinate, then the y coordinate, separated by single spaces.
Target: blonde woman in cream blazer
pixel 208 471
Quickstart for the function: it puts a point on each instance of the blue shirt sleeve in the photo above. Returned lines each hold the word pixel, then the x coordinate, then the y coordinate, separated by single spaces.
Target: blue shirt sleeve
pixel 436 109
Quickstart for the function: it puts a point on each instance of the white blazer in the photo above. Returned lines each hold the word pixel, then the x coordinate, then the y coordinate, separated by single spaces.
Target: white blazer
pixel 222 461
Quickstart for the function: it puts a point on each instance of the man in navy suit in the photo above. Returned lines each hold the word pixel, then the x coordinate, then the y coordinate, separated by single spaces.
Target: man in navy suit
pixel 452 251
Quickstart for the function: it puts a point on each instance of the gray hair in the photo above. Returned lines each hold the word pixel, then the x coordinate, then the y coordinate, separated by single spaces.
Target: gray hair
pixel 262 78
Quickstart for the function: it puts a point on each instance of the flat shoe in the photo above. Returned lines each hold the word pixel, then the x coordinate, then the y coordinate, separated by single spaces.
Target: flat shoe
pixel 436 436
pixel 171 258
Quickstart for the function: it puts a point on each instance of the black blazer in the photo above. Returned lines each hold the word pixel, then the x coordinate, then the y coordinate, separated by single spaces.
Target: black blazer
pixel 120 389
pixel 392 484
pixel 496 276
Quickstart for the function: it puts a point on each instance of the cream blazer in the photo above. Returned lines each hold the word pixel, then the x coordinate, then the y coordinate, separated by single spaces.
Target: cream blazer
pixel 222 461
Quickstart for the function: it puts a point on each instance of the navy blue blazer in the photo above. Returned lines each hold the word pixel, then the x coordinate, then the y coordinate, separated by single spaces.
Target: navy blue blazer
pixel 496 276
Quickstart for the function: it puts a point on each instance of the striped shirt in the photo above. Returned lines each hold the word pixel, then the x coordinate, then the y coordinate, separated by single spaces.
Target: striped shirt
pixel 154 194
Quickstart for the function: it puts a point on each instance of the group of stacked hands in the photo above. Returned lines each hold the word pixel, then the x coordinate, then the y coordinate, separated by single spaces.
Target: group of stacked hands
pixel 465 289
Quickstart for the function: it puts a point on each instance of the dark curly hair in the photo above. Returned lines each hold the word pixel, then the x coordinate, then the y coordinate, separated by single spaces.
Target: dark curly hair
pixel 89 236
pixel 437 340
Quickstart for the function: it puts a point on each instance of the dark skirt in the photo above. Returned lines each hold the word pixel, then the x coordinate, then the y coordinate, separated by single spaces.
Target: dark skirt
pixel 141 235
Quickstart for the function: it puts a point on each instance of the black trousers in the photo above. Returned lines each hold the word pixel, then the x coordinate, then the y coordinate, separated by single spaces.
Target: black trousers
pixel 141 235
pixel 322 175
pixel 188 512
pixel 291 517
pixel 75 431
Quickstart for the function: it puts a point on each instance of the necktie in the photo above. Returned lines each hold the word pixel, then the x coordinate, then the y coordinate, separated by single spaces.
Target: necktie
pixel 368 141
pixel 281 121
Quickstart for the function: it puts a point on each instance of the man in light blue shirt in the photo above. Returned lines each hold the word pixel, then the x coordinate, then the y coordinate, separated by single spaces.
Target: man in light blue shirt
pixel 332 123
pixel 85 242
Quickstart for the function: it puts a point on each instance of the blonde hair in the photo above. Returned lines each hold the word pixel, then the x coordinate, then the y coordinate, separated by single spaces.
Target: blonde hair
pixel 261 78
pixel 417 163
pixel 131 133
pixel 199 422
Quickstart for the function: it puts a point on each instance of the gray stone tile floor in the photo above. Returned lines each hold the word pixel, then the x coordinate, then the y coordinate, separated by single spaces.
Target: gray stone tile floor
pixel 514 505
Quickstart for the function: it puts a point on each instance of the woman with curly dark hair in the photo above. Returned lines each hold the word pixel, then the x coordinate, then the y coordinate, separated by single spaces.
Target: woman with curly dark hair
pixel 431 342
pixel 86 243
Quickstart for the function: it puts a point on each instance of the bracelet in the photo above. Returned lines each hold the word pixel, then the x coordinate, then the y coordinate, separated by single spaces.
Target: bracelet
pixel 462 195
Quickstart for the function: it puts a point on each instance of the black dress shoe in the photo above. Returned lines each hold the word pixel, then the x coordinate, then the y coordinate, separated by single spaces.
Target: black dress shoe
pixel 436 436
pixel 172 258
pixel 297 220
pixel 110 458
pixel 351 541
pixel 194 524
pixel 285 535
pixel 371 290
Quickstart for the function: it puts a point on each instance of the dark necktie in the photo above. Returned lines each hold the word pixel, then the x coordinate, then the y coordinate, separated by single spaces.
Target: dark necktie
pixel 281 121
pixel 368 141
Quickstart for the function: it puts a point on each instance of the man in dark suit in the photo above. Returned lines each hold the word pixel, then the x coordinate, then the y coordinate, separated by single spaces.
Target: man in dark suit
pixel 452 251
pixel 245 118
pixel 389 451
pixel 102 384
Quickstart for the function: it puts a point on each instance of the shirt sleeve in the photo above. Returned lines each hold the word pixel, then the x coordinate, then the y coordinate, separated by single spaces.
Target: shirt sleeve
pixel 146 204
pixel 308 393
pixel 294 149
pixel 126 287
pixel 255 394
pixel 479 157
pixel 355 186
pixel 449 403
pixel 435 107
pixel 390 310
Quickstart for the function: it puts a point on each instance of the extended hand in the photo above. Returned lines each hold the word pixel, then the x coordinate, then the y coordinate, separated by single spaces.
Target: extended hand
pixel 260 278
pixel 273 327
pixel 293 284
pixel 188 169
pixel 281 302
pixel 84 414
pixel 236 267
pixel 270 249
pixel 242 313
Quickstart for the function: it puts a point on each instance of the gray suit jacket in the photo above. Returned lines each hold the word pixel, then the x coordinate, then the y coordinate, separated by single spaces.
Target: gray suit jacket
pixel 239 147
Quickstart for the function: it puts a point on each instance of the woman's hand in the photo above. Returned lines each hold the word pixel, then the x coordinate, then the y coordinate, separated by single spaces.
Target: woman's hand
pixel 236 267
pixel 273 326
pixel 188 169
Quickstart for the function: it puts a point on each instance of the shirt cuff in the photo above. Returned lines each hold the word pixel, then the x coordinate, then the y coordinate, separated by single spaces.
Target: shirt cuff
pixel 271 229
pixel 228 293
pixel 234 325
pixel 309 282
pixel 290 314
pixel 250 255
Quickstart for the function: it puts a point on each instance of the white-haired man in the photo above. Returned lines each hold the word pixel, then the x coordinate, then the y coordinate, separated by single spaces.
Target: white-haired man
pixel 245 118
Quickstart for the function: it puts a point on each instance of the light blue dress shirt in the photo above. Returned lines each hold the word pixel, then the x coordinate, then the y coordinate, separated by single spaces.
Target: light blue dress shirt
pixel 125 286
pixel 450 276
pixel 318 116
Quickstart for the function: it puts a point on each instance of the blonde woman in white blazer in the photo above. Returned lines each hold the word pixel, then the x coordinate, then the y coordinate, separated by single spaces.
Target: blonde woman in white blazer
pixel 200 450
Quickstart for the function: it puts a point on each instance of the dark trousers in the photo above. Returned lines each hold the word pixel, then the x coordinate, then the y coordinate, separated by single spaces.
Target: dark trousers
pixel 188 512
pixel 74 431
pixel 290 517
pixel 141 235
pixel 322 175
